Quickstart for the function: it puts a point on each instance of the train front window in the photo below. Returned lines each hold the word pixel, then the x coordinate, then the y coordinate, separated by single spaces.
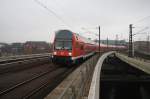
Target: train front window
pixel 64 34
pixel 67 45
pixel 58 45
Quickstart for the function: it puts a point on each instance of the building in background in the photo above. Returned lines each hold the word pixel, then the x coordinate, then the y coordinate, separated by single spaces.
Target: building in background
pixel 113 42
pixel 142 46
pixel 34 47
pixel 17 48
pixel 5 49
pixel 29 47
pixel 1 49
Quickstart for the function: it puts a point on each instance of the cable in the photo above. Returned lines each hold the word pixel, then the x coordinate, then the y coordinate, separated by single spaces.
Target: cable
pixel 142 19
pixel 52 12
pixel 141 30
pixel 89 32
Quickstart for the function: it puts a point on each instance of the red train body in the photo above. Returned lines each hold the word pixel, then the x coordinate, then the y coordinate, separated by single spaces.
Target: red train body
pixel 70 47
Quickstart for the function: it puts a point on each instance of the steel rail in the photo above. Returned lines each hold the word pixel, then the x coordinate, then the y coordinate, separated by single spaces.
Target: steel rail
pixel 25 82
pixel 23 61
pixel 45 84
pixel 9 57
pixel 19 65
pixel 24 57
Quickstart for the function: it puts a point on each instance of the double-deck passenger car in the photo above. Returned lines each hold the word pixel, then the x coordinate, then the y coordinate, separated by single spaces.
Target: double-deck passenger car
pixel 70 47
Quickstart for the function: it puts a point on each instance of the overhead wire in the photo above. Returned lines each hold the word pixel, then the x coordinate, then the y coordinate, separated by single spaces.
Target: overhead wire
pixel 71 18
pixel 143 19
pixel 52 12
pixel 142 30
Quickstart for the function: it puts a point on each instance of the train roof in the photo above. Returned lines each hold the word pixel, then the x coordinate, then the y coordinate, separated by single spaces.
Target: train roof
pixel 84 39
pixel 68 34
pixel 61 34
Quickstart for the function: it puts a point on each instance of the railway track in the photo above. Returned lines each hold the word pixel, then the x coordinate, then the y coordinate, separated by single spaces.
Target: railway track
pixel 29 81
pixel 34 82
pixel 12 78
pixel 23 62
pixel 29 87
pixel 40 92
pixel 10 59
pixel 36 76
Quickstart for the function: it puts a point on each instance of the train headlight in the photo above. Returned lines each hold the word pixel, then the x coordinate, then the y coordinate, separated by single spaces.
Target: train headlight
pixel 70 53
pixel 54 53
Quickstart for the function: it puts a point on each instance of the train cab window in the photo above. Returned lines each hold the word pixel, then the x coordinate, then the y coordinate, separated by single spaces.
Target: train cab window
pixel 63 40
pixel 61 45
pixel 68 45
pixel 58 45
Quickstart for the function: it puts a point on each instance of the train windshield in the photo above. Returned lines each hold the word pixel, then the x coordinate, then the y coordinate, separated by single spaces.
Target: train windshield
pixel 63 40
pixel 64 34
pixel 67 45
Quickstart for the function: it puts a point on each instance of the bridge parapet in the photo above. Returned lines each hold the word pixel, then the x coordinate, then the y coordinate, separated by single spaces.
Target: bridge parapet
pixel 73 87
pixel 95 84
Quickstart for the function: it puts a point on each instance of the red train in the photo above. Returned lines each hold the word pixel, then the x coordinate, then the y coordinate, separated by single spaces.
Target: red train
pixel 70 47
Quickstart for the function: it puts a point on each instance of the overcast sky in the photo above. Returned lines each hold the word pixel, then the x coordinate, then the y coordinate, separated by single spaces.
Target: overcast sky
pixel 26 20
